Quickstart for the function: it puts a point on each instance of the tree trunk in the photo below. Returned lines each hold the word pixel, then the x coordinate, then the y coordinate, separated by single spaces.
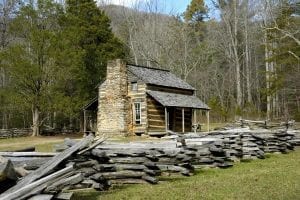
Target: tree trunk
pixel 70 123
pixel 257 85
pixel 24 120
pixel 247 60
pixel 5 120
pixel 236 57
pixel 35 121
pixel 54 120
pixel 272 77
pixel 4 110
pixel 267 76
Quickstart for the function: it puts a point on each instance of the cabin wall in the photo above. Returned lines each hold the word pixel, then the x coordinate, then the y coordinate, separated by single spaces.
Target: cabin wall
pixel 138 95
pixel 156 116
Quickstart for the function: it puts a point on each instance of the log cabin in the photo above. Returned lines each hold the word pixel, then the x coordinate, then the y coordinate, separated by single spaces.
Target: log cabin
pixel 142 100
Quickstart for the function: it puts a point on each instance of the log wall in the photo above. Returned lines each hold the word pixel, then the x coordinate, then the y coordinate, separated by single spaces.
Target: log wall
pixel 156 116
pixel 138 95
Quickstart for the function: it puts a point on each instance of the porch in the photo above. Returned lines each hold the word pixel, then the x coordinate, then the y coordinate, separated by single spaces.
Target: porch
pixel 177 112
pixel 90 116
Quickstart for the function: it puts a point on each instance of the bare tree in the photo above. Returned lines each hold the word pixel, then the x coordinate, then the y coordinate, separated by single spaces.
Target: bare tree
pixel 247 53
pixel 231 20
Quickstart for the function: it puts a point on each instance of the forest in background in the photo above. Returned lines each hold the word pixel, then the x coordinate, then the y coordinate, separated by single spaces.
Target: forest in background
pixel 243 63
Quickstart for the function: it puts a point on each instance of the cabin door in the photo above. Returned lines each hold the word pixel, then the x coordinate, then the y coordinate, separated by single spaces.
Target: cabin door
pixel 171 119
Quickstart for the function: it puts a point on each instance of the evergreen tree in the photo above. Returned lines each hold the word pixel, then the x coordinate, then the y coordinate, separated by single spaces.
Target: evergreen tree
pixel 88 29
pixel 196 11
pixel 194 16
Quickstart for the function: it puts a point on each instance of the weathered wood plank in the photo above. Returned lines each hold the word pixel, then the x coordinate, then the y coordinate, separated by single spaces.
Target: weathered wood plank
pixel 150 179
pixel 121 174
pixel 138 145
pixel 156 116
pixel 8 175
pixel 7 170
pixel 51 164
pixel 156 123
pixel 128 181
pixel 154 106
pixel 27 154
pixel 21 171
pixel 98 142
pixel 130 160
pixel 88 163
pixel 41 197
pixel 64 182
pixel 155 126
pixel 29 163
pixel 23 191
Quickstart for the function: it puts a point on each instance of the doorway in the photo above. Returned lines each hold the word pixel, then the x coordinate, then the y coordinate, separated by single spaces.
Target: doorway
pixel 171 118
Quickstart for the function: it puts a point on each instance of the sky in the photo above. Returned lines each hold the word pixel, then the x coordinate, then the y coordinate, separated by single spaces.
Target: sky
pixel 166 6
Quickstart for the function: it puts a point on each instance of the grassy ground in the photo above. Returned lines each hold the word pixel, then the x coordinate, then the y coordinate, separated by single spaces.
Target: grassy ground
pixel 41 143
pixel 277 177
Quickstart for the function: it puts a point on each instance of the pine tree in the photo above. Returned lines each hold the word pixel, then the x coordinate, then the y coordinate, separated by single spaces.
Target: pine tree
pixel 194 16
pixel 196 11
pixel 89 31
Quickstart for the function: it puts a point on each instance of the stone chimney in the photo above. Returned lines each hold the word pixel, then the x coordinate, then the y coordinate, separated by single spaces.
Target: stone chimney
pixel 112 117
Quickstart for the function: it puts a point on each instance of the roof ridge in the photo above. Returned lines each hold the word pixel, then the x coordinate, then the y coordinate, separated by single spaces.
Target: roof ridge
pixel 166 70
pixel 158 77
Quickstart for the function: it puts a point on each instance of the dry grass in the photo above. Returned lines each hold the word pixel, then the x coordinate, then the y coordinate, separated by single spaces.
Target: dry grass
pixel 41 143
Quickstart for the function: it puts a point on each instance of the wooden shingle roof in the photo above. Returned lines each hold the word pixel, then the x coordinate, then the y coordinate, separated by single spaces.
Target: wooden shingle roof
pixel 177 100
pixel 158 77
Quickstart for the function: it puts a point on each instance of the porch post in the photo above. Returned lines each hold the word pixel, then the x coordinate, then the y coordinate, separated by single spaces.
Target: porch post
pixel 166 119
pixel 183 120
pixel 84 121
pixel 195 116
pixel 207 115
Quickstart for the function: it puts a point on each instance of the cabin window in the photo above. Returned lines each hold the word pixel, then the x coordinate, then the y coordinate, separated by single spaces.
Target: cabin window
pixel 134 86
pixel 137 113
